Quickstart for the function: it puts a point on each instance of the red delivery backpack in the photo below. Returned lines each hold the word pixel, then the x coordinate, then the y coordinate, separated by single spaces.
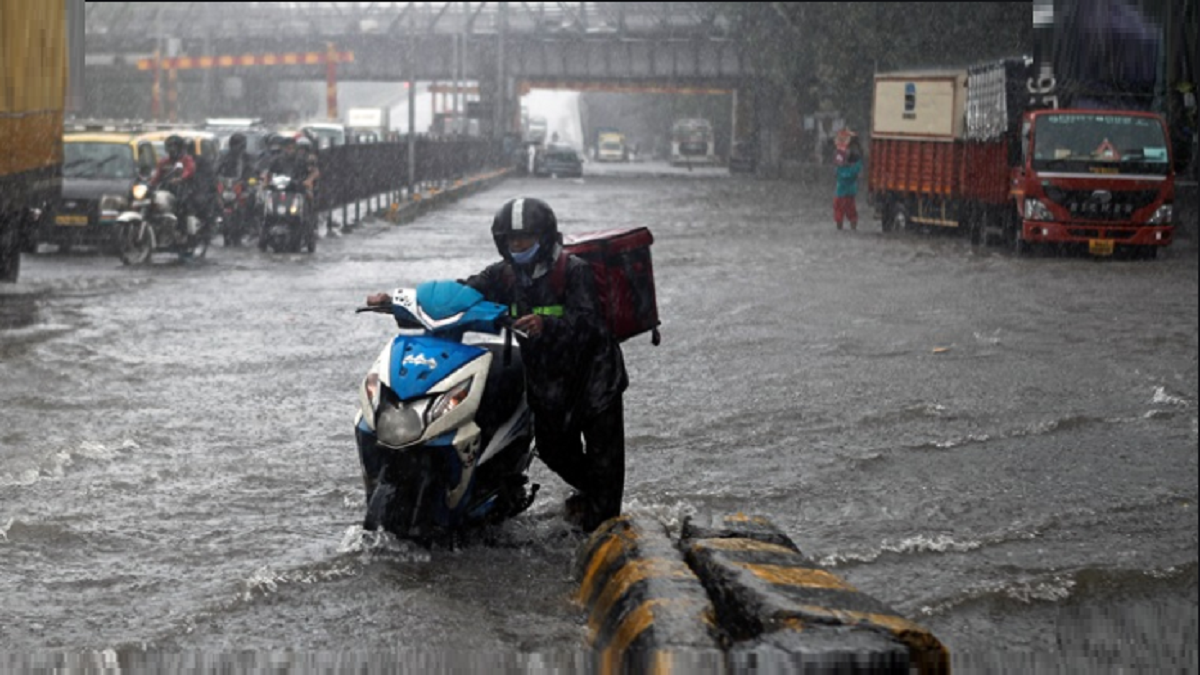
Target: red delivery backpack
pixel 620 261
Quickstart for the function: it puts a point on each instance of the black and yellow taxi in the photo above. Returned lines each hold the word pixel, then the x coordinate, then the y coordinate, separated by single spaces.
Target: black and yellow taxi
pixel 100 167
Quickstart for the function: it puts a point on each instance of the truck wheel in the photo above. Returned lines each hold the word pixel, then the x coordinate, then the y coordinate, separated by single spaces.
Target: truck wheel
pixel 900 217
pixel 10 252
pixel 978 227
pixel 894 215
pixel 1020 247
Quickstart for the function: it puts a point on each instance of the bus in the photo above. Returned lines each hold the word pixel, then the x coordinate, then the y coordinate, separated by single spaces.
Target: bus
pixel 692 142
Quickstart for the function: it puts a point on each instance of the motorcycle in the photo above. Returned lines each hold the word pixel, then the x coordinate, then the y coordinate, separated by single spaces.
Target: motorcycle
pixel 444 433
pixel 286 226
pixel 238 213
pixel 151 226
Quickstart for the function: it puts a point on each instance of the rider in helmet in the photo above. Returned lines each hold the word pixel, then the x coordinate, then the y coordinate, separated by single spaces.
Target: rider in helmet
pixel 274 143
pixel 574 368
pixel 236 163
pixel 307 172
pixel 177 180
pixel 175 155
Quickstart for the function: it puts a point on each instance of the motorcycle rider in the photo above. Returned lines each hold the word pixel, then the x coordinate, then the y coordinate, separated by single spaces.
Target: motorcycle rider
pixel 237 166
pixel 307 172
pixel 204 193
pixel 274 143
pixel 179 182
pixel 574 368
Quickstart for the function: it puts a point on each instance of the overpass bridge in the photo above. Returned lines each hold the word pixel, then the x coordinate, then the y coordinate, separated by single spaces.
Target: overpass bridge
pixel 506 48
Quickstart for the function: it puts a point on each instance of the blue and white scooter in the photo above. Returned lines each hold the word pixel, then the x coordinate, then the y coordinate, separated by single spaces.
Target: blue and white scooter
pixel 444 433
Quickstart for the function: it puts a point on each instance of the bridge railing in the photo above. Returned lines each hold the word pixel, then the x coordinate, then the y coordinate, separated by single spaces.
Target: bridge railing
pixel 358 172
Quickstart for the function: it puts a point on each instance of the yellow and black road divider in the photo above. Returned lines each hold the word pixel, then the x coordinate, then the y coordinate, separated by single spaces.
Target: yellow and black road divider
pixel 424 201
pixel 647 610
pixel 735 595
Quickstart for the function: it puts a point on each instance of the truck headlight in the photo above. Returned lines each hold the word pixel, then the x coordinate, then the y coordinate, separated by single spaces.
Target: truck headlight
pixel 1165 215
pixel 1035 209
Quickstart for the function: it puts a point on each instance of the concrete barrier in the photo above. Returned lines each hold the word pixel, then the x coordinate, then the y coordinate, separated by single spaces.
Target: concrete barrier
pixel 423 202
pixel 647 611
pixel 783 613
pixel 735 595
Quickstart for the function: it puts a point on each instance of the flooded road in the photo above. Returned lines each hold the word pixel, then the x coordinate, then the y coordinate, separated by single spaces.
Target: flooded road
pixel 1003 449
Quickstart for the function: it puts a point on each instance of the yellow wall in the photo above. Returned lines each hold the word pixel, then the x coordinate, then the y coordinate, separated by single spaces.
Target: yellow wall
pixel 33 62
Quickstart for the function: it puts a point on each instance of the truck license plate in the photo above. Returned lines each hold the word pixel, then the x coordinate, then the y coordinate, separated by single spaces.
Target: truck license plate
pixel 70 220
pixel 1100 246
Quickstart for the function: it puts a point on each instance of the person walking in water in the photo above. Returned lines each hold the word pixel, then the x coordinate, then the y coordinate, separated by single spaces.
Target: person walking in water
pixel 848 163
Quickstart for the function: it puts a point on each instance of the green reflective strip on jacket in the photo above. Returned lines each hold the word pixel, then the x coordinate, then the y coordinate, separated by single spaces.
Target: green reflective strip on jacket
pixel 549 310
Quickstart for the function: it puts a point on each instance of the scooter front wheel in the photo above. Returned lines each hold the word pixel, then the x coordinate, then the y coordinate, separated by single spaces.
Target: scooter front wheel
pixel 135 243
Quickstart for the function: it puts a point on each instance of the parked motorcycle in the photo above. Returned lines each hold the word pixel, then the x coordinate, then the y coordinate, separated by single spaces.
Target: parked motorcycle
pixel 445 436
pixel 239 217
pixel 286 226
pixel 151 225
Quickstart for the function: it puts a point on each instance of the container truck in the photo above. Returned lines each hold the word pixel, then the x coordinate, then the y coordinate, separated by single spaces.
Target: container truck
pixel 34 56
pixel 988 150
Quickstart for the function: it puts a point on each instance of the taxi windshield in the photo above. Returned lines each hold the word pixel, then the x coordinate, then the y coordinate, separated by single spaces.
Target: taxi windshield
pixel 99 160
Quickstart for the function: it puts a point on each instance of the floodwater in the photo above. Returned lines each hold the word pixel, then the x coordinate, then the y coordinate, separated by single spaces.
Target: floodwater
pixel 1003 449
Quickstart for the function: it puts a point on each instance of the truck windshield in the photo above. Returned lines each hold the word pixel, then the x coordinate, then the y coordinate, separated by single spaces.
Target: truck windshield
pixel 1100 143
pixel 98 160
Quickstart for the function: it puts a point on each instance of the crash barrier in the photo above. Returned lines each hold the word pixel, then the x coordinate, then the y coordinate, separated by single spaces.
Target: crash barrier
pixel 357 172
pixel 421 202
pixel 772 609
pixel 647 611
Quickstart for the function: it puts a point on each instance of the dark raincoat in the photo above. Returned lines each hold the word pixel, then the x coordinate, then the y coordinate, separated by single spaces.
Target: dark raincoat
pixel 575 367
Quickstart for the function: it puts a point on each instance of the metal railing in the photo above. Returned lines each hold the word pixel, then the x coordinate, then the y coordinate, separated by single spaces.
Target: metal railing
pixel 360 172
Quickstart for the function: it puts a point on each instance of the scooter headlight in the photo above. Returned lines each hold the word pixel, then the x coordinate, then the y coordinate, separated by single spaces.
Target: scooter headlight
pixel 449 401
pixel 400 424
pixel 140 191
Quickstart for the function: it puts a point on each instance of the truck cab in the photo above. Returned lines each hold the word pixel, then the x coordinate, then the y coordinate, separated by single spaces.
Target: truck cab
pixel 611 148
pixel 1096 177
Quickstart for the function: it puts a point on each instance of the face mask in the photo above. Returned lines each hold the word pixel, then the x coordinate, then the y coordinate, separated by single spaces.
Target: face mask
pixel 525 257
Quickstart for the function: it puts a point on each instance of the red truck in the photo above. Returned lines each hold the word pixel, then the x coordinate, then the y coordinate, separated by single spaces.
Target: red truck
pixel 983 149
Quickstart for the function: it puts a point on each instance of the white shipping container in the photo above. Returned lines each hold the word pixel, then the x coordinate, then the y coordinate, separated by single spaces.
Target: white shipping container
pixel 920 105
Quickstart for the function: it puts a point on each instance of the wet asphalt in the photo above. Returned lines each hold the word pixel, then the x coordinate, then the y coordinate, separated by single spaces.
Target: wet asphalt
pixel 1003 449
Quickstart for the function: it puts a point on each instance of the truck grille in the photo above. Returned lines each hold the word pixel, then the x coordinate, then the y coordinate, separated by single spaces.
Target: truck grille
pixel 1101 204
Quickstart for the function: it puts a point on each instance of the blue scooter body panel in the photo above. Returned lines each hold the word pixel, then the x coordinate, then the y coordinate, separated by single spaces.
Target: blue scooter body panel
pixel 419 362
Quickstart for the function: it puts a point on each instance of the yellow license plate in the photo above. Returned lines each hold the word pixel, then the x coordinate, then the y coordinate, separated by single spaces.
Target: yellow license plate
pixel 71 220
pixel 1100 246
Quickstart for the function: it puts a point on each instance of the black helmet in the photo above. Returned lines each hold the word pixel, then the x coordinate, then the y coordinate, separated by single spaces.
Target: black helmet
pixel 174 145
pixel 527 216
pixel 237 142
pixel 303 143
pixel 274 141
